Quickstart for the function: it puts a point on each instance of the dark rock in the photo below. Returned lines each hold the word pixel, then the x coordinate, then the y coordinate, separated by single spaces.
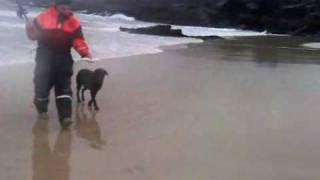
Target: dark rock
pixel 160 30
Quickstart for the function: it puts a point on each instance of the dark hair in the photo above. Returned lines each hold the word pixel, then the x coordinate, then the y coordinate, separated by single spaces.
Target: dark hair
pixel 66 2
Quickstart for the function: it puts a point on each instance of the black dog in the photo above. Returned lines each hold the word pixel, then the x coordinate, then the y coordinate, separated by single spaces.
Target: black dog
pixel 92 81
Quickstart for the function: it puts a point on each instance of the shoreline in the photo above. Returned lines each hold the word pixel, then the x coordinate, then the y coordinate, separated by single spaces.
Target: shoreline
pixel 300 43
pixel 161 48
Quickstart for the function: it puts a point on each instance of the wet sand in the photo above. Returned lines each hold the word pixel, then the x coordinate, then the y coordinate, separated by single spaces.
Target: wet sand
pixel 222 110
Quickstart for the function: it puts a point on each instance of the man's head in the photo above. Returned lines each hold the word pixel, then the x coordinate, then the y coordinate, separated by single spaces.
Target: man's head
pixel 63 7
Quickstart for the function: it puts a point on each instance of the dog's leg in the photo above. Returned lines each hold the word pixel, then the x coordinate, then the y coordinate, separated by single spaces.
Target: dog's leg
pixel 91 100
pixel 90 103
pixel 78 92
pixel 93 96
pixel 82 94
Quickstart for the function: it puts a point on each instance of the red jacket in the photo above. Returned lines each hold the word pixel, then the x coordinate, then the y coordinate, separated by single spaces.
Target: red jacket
pixel 58 32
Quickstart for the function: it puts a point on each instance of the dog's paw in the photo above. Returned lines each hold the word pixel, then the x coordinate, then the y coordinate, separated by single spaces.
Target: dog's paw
pixel 97 108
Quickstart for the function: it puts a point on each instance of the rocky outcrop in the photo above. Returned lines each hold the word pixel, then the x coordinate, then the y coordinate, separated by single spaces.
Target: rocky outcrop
pixel 297 17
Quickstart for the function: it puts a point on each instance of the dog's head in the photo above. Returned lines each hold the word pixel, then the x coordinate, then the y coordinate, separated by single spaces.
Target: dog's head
pixel 101 73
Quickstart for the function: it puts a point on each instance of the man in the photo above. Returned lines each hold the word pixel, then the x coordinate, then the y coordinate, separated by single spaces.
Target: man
pixel 57 31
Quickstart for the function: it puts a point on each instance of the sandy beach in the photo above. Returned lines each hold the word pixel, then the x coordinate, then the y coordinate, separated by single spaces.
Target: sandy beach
pixel 212 111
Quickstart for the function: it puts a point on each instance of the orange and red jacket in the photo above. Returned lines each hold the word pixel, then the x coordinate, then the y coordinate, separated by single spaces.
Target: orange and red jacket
pixel 58 32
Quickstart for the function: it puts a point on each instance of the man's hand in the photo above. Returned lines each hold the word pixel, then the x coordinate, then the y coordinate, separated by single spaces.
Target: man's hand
pixel 87 58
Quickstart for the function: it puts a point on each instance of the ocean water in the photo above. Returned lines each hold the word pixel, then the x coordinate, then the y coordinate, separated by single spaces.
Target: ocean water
pixel 102 33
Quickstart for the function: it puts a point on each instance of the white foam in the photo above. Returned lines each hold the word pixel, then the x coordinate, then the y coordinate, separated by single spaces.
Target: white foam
pixel 12 25
pixel 221 32
pixel 122 16
pixel 12 13
pixel 314 45
pixel 119 44
pixel 106 29
pixel 7 13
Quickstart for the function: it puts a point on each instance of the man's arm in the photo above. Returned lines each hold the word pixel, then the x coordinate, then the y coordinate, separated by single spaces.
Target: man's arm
pixel 80 45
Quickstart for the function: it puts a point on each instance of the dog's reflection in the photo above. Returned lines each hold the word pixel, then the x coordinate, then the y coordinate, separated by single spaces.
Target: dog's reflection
pixel 50 164
pixel 88 128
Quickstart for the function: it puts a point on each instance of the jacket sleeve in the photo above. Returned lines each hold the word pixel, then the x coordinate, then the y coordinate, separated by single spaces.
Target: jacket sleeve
pixel 33 30
pixel 79 43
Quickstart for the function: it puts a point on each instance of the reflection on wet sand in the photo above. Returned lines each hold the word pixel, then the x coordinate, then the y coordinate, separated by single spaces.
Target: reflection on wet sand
pixel 50 164
pixel 88 128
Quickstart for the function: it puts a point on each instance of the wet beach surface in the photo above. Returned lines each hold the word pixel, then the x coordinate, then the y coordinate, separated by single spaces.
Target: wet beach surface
pixel 241 109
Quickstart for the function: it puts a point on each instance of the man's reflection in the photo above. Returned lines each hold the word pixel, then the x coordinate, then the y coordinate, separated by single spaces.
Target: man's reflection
pixel 50 164
pixel 88 128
